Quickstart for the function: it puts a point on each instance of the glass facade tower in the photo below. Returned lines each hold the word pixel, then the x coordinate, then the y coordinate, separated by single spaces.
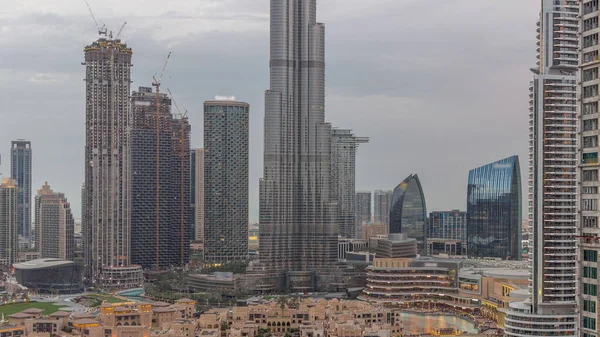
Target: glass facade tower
pixel 494 210
pixel 20 167
pixel 408 212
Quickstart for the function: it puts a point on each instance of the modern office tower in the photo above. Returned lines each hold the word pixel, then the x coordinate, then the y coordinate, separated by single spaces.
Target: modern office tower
pixel 408 211
pixel 107 195
pixel 226 181
pixel 54 225
pixel 343 178
pixel 552 308
pixel 382 200
pixel 159 232
pixel 298 228
pixel 494 210
pixel 20 169
pixel 589 243
pixel 197 194
pixel 363 209
pixel 9 216
pixel 448 225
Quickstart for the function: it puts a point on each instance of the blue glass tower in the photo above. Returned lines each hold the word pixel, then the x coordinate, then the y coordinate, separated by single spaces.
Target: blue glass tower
pixel 494 210
pixel 21 172
pixel 408 212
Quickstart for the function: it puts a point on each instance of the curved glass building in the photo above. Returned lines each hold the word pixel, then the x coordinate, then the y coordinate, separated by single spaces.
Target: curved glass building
pixel 494 210
pixel 408 213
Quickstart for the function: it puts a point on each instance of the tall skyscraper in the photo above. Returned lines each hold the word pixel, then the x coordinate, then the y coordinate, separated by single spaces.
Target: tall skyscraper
pixel 363 208
pixel 551 310
pixel 54 225
pixel 382 201
pixel 20 169
pixel 159 232
pixel 197 193
pixel 298 217
pixel 494 210
pixel 343 178
pixel 226 181
pixel 9 216
pixel 589 304
pixel 108 198
pixel 408 211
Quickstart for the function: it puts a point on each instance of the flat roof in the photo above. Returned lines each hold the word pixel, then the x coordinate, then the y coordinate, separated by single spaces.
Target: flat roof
pixel 42 263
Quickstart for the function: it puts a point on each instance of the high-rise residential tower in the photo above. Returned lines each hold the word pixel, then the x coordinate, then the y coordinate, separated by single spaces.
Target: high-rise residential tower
pixel 160 233
pixel 197 193
pixel 107 194
pixel 20 169
pixel 343 178
pixel 226 180
pixel 363 209
pixel 54 225
pixel 589 304
pixel 552 307
pixel 382 201
pixel 298 217
pixel 9 216
pixel 494 210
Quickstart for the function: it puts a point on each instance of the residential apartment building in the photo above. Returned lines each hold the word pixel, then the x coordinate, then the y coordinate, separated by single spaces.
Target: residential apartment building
pixel 589 231
pixel 159 180
pixel 226 162
pixel 552 305
pixel 382 201
pixel 54 225
pixel 9 215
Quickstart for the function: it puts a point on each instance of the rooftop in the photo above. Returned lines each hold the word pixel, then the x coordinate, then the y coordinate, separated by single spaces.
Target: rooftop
pixel 42 263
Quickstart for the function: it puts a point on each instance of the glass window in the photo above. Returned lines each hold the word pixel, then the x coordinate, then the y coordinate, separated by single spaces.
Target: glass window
pixel 590 175
pixel 589 306
pixel 590 272
pixel 590 289
pixel 589 323
pixel 590 204
pixel 590 255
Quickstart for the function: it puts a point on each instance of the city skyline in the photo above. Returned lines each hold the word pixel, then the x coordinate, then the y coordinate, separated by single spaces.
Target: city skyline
pixel 347 100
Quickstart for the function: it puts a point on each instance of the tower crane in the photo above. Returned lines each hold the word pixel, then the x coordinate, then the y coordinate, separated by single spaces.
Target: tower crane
pixel 120 30
pixel 101 30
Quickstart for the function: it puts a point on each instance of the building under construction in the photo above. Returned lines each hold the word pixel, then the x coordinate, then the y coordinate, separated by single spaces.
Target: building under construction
pixel 159 157
pixel 106 220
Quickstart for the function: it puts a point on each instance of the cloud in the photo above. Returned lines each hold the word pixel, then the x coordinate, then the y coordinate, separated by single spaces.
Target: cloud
pixel 42 78
pixel 439 87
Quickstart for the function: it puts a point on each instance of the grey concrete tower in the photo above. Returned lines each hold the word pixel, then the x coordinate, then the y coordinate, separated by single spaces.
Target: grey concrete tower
pixel 343 178
pixel 551 309
pixel 107 196
pixel 298 228
pixel 226 181
pixel 20 167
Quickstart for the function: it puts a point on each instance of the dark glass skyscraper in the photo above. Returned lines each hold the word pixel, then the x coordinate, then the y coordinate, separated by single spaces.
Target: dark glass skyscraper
pixel 408 211
pixel 298 218
pixel 160 212
pixel 226 181
pixel 21 171
pixel 494 210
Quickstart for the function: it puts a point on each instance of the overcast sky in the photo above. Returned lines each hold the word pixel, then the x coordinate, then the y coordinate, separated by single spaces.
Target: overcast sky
pixel 439 86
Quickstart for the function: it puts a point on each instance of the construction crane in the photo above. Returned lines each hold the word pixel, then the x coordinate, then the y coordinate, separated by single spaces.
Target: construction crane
pixel 156 83
pixel 179 114
pixel 101 30
pixel 120 30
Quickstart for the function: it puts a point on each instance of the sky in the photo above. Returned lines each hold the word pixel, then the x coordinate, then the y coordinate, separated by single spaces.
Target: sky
pixel 440 87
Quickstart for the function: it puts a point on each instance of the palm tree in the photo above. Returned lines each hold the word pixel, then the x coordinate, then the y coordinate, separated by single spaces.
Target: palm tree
pixel 282 301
